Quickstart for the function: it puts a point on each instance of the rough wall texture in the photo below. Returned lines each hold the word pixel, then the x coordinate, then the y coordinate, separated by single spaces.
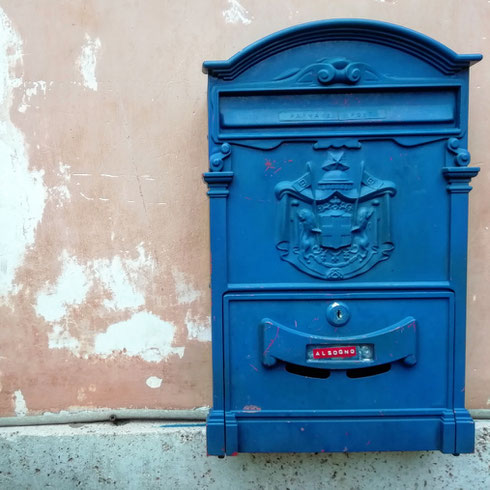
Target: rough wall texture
pixel 104 270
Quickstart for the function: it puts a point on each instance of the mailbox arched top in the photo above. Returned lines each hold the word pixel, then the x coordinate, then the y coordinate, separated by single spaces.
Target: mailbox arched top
pixel 397 37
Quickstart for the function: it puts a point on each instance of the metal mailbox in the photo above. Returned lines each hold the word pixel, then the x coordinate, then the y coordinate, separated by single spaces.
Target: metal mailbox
pixel 338 184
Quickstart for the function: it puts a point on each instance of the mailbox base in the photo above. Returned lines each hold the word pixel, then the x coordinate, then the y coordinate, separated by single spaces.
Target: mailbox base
pixel 449 432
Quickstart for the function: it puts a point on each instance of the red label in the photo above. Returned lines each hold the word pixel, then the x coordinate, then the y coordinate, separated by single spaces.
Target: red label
pixel 335 352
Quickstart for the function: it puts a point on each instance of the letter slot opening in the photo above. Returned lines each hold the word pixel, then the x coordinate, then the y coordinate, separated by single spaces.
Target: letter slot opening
pixel 307 372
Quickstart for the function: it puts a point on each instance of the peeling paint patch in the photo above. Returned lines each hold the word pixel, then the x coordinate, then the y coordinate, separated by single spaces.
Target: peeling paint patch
pixel 60 338
pixel 61 193
pixel 154 382
pixel 185 292
pixel 236 13
pixel 20 407
pixel 120 277
pixel 31 89
pixel 196 330
pixel 144 335
pixel 87 62
pixel 70 289
pixel 22 191
pixel 81 395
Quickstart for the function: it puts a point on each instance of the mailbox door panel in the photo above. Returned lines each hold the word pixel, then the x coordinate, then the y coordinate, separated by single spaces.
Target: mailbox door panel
pixel 373 218
pixel 292 352
pixel 394 396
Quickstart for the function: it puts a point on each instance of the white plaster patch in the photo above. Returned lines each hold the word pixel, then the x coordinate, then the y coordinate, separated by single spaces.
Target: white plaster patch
pixel 22 191
pixel 70 289
pixel 143 335
pixel 154 382
pixel 120 276
pixel 31 89
pixel 196 330
pixel 60 338
pixel 123 278
pixel 61 193
pixel 20 406
pixel 236 13
pixel 185 292
pixel 81 395
pixel 87 62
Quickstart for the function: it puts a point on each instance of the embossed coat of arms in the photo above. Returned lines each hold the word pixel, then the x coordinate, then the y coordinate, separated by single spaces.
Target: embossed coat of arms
pixel 335 218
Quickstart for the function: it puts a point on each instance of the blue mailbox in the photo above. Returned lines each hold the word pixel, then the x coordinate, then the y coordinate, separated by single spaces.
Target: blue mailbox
pixel 338 184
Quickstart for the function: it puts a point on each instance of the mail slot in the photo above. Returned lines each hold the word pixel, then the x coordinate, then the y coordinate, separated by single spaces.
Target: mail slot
pixel 338 183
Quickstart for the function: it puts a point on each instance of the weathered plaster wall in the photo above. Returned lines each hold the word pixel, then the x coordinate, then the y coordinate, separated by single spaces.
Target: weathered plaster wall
pixel 104 270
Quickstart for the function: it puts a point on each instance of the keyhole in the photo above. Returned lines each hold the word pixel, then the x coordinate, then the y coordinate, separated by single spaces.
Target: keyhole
pixel 338 314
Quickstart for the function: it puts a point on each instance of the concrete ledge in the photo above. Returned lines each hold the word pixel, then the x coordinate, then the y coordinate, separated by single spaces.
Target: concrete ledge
pixel 149 455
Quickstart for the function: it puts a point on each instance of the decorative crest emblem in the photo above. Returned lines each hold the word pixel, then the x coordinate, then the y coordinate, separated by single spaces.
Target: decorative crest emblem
pixel 335 218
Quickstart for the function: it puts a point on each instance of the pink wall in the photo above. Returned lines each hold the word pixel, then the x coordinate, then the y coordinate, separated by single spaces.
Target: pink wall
pixel 104 264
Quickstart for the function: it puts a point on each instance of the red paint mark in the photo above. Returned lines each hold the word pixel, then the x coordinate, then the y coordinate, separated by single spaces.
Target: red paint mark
pixel 278 169
pixel 340 351
pixel 462 389
pixel 235 453
pixel 322 451
pixel 316 319
pixel 272 342
pixel 295 324
pixel 251 408
pixel 302 429
pixel 289 161
pixel 368 443
pixel 248 198
pixel 346 433
pixel 412 325
pixel 252 366
pixel 268 166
